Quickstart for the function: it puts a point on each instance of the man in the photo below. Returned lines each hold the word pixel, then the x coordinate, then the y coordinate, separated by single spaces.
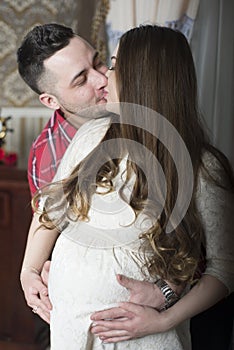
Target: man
pixel 68 75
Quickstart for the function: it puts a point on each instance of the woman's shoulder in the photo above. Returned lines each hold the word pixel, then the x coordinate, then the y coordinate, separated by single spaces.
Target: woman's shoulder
pixel 214 193
pixel 216 169
pixel 86 139
pixel 211 161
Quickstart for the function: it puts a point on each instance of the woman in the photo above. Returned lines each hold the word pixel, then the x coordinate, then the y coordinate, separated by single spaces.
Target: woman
pixel 114 214
pixel 169 63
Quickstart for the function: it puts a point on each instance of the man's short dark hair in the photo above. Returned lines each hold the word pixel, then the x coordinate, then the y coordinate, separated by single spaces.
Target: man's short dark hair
pixel 39 44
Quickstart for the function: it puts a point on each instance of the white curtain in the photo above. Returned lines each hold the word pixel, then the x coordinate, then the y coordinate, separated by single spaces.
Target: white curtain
pixel 213 49
pixel 124 15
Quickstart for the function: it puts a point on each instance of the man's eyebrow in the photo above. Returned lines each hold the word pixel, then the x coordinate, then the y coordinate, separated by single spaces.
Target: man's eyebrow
pixel 113 57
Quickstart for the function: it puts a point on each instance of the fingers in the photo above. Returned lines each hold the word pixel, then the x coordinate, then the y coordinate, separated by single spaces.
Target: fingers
pixel 125 281
pixel 39 308
pixel 47 265
pixel 35 302
pixel 110 336
pixel 113 334
pixel 109 325
pixel 36 293
pixel 45 298
pixel 40 304
pixel 44 292
pixel 45 272
pixel 113 313
pixel 98 329
pixel 131 308
pixel 114 339
pixel 37 298
pixel 42 313
pixel 144 321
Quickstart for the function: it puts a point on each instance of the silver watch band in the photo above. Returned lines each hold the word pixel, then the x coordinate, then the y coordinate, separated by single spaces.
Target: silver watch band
pixel 169 294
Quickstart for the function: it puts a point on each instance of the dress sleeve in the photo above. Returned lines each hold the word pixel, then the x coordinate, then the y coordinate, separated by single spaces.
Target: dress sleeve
pixel 216 208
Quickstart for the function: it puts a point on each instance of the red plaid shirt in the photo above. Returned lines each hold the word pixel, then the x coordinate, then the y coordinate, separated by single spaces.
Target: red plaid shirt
pixel 47 151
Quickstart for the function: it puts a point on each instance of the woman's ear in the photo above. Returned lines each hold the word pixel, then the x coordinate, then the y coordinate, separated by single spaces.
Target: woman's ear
pixel 49 101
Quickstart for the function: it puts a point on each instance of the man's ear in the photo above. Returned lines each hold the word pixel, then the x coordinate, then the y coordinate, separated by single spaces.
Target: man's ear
pixel 49 101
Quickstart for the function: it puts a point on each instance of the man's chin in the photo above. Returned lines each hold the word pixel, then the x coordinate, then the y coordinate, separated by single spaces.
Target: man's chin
pixel 95 111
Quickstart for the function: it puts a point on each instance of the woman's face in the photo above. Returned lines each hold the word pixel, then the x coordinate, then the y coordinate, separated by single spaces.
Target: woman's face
pixel 111 88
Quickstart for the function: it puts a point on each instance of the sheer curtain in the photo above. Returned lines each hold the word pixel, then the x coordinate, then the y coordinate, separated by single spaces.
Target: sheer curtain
pixel 123 15
pixel 213 49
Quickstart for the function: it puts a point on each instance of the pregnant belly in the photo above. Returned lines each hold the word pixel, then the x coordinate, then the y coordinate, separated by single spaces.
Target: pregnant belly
pixel 86 276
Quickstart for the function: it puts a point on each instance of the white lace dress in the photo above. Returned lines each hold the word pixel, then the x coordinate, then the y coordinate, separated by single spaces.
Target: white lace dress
pixel 86 258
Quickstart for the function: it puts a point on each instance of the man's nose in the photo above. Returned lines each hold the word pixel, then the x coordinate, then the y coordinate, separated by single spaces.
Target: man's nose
pixel 98 79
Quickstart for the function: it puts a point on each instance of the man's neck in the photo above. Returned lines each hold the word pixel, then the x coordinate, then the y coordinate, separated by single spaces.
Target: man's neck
pixel 75 120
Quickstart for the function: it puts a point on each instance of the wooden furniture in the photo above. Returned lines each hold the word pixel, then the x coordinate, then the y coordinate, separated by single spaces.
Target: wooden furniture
pixel 19 327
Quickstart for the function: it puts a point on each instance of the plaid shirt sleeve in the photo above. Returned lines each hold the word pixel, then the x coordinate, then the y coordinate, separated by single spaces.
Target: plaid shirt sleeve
pixel 32 172
pixel 47 151
pixel 40 166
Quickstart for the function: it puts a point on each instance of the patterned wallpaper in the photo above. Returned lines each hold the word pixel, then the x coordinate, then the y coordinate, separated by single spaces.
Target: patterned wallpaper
pixel 17 17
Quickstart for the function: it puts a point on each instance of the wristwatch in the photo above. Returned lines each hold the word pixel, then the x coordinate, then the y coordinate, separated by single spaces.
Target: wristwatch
pixel 169 294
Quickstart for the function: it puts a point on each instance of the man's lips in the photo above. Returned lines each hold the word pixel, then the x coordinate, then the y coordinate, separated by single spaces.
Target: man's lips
pixel 105 93
pixel 103 97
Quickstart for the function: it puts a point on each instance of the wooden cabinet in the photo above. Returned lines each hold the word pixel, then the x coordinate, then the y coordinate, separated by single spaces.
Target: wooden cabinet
pixel 19 327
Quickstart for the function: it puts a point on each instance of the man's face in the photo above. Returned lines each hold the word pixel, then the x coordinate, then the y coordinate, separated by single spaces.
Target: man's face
pixel 79 77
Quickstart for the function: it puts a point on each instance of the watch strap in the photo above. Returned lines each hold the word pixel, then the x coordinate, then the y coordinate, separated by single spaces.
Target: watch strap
pixel 170 296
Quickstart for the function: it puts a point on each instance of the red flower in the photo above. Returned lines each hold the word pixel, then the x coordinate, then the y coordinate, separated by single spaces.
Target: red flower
pixel 10 158
pixel 2 154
